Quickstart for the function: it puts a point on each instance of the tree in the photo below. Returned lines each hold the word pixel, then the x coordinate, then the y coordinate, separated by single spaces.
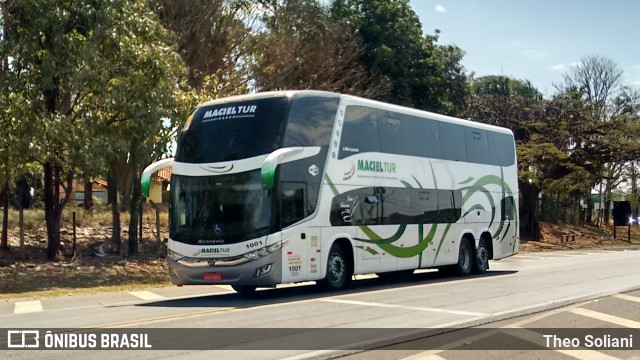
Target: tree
pixel 420 72
pixel 596 81
pixel 15 145
pixel 66 54
pixel 135 114
pixel 300 47
pixel 212 38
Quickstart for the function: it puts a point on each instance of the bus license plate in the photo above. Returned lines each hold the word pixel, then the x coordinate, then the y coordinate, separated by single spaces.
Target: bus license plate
pixel 216 276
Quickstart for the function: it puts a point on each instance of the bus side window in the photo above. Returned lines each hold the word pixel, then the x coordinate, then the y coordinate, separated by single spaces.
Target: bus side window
pixel 426 205
pixel 359 132
pixel 449 206
pixel 507 208
pixel 293 203
pixel 476 145
pixel 452 142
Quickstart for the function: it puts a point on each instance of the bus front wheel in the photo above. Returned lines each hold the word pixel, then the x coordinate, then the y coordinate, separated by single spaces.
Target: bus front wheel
pixel 338 270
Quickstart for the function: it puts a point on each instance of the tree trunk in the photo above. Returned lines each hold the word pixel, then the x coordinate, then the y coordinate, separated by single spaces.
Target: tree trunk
pixel 4 242
pixel 115 210
pixel 529 227
pixel 607 206
pixel 52 209
pixel 21 227
pixel 136 197
pixel 87 204
pixel 589 214
pixel 124 178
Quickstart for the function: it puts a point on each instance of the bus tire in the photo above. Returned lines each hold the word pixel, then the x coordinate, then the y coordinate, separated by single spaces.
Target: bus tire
pixel 338 270
pixel 245 291
pixel 465 258
pixel 481 263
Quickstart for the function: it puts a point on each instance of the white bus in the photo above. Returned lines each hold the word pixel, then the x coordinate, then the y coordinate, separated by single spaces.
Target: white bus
pixel 286 187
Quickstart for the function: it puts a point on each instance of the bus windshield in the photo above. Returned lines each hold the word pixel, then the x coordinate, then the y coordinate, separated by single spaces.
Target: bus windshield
pixel 233 131
pixel 215 210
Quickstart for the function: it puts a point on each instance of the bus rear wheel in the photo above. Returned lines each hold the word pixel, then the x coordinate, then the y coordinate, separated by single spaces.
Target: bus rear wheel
pixel 465 258
pixel 481 263
pixel 338 270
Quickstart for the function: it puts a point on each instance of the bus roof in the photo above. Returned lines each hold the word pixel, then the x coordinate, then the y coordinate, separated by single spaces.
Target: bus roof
pixel 270 94
pixel 357 100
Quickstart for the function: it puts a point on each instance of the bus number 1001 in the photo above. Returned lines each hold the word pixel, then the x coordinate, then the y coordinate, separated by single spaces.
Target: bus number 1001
pixel 254 244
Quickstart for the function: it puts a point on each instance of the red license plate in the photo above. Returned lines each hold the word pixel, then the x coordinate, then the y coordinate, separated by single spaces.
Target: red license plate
pixel 212 276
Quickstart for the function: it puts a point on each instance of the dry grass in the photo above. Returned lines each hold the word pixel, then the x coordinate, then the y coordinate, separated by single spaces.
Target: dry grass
pixel 31 275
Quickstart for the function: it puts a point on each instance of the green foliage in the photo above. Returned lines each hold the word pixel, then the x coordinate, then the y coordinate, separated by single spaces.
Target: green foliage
pixel 420 72
pixel 504 86
pixel 92 78
pixel 300 47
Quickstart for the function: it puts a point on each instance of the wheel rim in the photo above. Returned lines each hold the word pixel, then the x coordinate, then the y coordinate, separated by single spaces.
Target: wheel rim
pixel 336 269
pixel 482 256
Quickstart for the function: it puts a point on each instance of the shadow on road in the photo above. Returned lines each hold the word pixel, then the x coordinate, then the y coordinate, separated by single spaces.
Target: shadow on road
pixel 311 291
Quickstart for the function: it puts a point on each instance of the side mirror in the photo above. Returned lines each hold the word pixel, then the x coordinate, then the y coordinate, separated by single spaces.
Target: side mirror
pixel 145 180
pixel 268 170
pixel 280 156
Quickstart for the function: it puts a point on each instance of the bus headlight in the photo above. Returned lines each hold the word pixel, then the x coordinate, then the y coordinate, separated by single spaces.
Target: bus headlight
pixel 257 254
pixel 174 255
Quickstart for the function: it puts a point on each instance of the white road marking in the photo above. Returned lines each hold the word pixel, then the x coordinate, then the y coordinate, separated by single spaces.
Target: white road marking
pixel 627 297
pixel 147 295
pixel 403 307
pixel 524 257
pixel 24 307
pixel 606 317
pixel 424 356
pixel 587 355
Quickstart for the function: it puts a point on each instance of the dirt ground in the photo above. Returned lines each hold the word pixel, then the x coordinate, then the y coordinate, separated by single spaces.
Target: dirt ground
pixel 555 237
pixel 96 267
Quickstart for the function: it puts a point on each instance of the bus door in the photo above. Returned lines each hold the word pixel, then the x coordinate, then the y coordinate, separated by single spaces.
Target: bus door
pixel 299 253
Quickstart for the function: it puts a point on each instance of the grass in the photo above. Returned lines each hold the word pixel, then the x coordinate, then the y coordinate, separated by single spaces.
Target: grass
pixel 86 273
pixel 34 218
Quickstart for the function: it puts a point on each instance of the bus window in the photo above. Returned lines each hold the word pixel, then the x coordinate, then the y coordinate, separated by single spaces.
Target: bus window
pixel 507 208
pixel 449 206
pixel 396 206
pixel 394 134
pixel 310 121
pixel 292 203
pixel 501 151
pixel 452 144
pixel 424 137
pixel 360 131
pixel 476 145
pixel 425 203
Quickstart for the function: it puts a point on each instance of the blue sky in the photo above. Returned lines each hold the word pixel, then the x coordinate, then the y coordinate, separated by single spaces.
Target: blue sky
pixel 537 40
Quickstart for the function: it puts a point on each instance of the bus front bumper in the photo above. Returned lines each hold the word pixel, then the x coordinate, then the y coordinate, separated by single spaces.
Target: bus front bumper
pixel 265 271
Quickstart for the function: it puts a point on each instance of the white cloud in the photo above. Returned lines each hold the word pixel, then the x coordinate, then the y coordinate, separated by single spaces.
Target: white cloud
pixel 439 8
pixel 533 53
pixel 558 67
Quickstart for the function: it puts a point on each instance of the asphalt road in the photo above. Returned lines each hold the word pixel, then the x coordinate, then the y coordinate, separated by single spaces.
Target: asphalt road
pixel 594 289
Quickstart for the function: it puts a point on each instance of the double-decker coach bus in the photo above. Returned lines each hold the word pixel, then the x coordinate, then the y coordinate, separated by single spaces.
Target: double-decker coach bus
pixel 286 187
